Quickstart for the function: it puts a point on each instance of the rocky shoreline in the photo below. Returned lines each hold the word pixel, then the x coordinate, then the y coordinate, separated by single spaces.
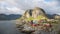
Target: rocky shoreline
pixel 35 20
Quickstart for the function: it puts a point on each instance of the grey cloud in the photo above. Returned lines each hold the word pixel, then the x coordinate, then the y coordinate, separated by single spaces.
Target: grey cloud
pixel 49 7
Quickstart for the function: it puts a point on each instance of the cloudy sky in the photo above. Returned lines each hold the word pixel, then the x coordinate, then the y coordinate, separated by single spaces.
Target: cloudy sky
pixel 19 6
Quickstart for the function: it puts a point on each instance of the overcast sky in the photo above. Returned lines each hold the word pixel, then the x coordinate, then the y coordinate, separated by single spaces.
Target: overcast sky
pixel 19 6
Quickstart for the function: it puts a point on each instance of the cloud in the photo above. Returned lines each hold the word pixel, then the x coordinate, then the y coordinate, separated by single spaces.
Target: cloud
pixel 15 10
pixel 9 8
pixel 12 10
pixel 18 6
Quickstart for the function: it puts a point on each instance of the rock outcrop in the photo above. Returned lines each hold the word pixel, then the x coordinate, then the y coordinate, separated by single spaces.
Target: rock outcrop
pixel 34 12
pixel 33 19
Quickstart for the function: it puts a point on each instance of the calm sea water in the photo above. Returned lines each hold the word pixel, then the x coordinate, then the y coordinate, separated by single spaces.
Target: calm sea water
pixel 9 27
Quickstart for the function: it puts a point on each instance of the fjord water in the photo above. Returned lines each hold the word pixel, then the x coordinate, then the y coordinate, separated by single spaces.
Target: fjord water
pixel 9 27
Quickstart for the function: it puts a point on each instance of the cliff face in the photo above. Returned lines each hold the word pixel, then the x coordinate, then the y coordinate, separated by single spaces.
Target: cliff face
pixel 28 13
pixel 38 11
pixel 34 12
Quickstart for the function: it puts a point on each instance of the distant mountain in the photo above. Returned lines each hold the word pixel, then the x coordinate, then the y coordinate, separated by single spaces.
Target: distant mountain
pixel 56 16
pixel 50 16
pixel 9 17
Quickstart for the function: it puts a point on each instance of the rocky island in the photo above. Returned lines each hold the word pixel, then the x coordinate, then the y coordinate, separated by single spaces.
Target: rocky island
pixel 35 20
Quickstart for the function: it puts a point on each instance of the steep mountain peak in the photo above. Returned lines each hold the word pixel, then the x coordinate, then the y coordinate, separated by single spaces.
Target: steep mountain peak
pixel 34 13
pixel 37 8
